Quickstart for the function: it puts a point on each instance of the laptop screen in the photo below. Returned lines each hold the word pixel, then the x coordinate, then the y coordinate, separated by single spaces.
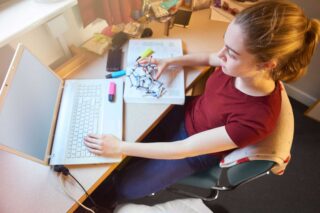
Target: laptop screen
pixel 28 101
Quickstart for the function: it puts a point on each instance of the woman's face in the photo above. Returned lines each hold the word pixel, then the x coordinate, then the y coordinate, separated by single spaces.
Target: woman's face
pixel 234 58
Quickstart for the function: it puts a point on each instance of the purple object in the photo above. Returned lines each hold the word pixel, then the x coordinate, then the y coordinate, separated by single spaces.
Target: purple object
pixel 217 3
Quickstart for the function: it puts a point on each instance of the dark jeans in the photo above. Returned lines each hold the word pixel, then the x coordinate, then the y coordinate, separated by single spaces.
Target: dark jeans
pixel 141 177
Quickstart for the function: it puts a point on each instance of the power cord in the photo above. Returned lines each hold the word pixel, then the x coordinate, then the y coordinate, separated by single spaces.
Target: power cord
pixel 68 193
pixel 65 171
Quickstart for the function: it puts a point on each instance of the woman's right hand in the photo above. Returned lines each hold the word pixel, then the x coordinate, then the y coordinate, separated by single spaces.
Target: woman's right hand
pixel 162 64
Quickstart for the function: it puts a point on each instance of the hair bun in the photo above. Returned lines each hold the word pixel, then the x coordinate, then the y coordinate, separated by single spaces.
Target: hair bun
pixel 315 27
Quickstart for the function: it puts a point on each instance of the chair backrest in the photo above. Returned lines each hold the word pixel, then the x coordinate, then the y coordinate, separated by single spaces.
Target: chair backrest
pixel 276 147
pixel 237 171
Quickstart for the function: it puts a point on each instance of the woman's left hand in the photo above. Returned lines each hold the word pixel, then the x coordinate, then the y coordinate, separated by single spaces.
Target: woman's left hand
pixel 104 145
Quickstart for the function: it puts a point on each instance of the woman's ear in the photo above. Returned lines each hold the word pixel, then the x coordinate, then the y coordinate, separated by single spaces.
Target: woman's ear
pixel 269 65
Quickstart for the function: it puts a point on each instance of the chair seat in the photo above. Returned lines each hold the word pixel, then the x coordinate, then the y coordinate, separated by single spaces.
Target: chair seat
pixel 205 179
pixel 236 174
pixel 248 170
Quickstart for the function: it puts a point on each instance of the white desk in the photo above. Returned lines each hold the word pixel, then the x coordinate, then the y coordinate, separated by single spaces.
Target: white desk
pixel 29 187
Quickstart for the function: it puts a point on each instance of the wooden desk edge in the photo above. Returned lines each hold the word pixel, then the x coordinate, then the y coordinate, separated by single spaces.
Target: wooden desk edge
pixel 79 59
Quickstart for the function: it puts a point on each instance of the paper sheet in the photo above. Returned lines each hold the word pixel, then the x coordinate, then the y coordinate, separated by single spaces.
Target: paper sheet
pixel 173 77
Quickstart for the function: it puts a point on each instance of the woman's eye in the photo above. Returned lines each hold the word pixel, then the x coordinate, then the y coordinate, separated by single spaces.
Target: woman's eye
pixel 230 54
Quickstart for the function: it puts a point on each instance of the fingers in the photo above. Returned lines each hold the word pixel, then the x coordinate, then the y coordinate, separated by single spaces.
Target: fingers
pixel 95 151
pixel 93 144
pixel 158 75
pixel 147 60
pixel 159 72
pixel 96 136
pixel 100 144
pixel 161 65
pixel 143 61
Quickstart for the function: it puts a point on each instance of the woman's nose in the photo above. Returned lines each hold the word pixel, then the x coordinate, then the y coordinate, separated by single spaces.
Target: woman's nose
pixel 222 55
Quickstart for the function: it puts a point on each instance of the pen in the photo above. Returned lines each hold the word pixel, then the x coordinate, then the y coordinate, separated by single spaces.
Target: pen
pixel 145 54
pixel 112 91
pixel 116 74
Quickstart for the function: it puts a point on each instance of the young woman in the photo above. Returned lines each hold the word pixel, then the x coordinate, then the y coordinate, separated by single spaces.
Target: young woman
pixel 269 42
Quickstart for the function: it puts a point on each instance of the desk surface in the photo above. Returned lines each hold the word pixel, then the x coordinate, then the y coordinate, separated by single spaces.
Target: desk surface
pixel 27 186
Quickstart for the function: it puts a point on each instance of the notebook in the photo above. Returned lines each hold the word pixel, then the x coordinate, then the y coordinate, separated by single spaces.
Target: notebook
pixel 45 118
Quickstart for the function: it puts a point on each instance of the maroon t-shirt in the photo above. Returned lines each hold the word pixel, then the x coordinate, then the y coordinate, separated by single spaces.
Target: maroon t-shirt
pixel 247 119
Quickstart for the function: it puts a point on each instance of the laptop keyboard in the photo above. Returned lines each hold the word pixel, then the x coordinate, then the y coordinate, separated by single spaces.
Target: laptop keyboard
pixel 84 119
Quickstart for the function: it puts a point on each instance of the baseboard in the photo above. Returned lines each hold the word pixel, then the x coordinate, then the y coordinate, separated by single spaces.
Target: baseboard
pixel 299 95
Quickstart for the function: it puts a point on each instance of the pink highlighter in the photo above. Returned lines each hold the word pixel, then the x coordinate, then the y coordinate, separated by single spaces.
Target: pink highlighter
pixel 112 91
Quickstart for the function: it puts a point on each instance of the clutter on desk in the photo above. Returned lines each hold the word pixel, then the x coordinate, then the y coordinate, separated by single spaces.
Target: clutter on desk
pixel 119 39
pixel 147 53
pixel 200 4
pixel 114 60
pixel 113 29
pixel 118 15
pixel 147 32
pixel 182 17
pixel 98 44
pixel 114 12
pixel 158 10
pixel 133 29
pixel 225 10
pixel 196 4
pixel 116 74
pixel 161 8
pixel 117 28
pixel 112 91
pixel 115 36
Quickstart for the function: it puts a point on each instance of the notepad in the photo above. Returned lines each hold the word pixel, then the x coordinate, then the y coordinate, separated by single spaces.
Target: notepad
pixel 172 78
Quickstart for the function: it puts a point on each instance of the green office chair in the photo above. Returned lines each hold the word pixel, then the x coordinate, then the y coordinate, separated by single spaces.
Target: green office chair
pixel 222 179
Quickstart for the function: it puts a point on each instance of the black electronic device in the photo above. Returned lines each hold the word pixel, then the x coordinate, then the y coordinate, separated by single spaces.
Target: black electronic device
pixel 119 39
pixel 182 17
pixel 114 60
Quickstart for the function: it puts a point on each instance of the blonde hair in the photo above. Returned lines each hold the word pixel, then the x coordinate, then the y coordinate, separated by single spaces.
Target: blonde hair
pixel 278 29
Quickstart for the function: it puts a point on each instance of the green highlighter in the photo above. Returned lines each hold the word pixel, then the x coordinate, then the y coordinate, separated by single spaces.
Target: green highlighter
pixel 145 54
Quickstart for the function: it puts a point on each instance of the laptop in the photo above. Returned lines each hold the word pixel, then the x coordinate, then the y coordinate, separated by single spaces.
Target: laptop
pixel 45 118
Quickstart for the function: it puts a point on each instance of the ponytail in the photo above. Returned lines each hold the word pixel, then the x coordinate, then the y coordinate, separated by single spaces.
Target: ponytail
pixel 279 29
pixel 296 65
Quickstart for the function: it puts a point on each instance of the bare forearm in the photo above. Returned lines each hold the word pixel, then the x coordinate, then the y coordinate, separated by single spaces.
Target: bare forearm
pixel 155 150
pixel 202 59
pixel 210 141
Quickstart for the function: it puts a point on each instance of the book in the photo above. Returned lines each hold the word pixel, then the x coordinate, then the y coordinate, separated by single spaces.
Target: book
pixel 172 78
